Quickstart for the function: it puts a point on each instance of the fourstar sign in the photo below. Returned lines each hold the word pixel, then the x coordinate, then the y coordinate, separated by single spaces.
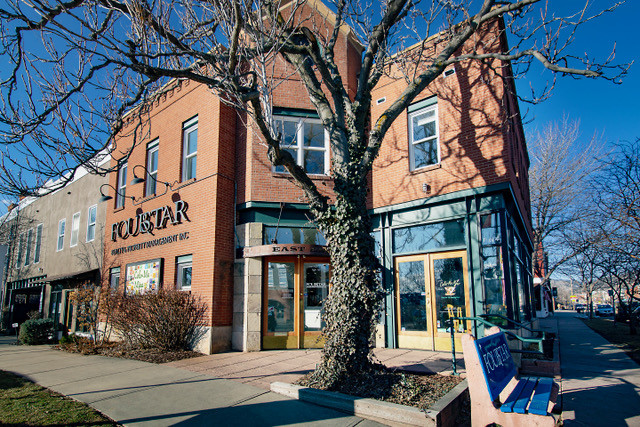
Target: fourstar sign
pixel 146 222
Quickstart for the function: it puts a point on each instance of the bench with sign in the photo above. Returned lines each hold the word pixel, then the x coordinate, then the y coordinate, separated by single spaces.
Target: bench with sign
pixel 497 396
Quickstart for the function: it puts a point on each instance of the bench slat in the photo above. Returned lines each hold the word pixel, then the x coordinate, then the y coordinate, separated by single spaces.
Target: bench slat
pixel 540 399
pixel 507 406
pixel 520 406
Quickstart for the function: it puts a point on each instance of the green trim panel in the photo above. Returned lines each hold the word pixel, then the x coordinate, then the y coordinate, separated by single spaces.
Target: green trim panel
pixel 295 112
pixel 421 104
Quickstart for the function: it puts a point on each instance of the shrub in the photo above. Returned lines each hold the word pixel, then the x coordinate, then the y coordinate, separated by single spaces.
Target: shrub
pixel 169 320
pixel 36 331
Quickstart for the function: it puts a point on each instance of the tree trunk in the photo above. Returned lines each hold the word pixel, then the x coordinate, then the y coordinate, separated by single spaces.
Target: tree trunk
pixel 353 305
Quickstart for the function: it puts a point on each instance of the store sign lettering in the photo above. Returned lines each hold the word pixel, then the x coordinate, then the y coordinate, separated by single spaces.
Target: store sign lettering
pixel 146 222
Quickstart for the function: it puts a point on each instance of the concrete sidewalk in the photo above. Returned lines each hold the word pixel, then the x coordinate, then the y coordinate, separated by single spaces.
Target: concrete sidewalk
pixel 136 393
pixel 600 383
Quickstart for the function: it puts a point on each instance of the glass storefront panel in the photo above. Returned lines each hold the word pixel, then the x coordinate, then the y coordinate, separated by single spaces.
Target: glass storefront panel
pixel 316 289
pixel 429 237
pixel 280 294
pixel 450 293
pixel 293 235
pixel 495 294
pixel 412 296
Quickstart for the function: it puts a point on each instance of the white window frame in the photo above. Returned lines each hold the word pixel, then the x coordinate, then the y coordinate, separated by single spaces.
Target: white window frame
pixel 182 262
pixel 187 128
pixel 413 143
pixel 62 225
pixel 300 147
pixel 91 226
pixel 75 230
pixel 151 180
pixel 121 186
pixel 114 272
pixel 20 251
pixel 28 247
pixel 38 245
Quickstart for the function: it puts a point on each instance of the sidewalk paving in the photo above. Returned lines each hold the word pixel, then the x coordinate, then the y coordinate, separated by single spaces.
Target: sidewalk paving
pixel 136 393
pixel 600 383
pixel 223 389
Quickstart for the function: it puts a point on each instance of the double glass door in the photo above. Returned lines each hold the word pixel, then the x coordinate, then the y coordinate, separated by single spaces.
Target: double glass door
pixel 294 291
pixel 431 289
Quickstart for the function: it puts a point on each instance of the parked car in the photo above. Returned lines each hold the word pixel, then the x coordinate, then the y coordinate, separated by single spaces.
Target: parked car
pixel 581 307
pixel 604 310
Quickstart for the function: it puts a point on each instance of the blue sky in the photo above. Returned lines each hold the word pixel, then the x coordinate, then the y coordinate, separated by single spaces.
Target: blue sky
pixel 602 107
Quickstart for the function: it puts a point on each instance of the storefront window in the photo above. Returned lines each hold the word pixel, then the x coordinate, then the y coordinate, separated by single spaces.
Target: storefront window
pixel 280 295
pixel 293 235
pixel 495 297
pixel 412 296
pixel 316 289
pixel 449 286
pixel 429 237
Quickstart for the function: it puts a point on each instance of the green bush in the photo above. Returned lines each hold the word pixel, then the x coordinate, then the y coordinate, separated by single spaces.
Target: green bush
pixel 37 331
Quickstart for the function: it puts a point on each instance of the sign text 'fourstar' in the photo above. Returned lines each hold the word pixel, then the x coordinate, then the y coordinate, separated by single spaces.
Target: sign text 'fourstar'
pixel 146 222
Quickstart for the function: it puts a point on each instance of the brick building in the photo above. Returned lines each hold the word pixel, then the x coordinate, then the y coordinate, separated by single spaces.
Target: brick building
pixel 448 194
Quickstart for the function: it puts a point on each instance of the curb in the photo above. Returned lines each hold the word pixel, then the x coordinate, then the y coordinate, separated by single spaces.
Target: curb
pixel 442 413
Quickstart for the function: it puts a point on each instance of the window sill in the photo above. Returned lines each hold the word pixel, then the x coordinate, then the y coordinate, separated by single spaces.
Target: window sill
pixel 426 169
pixel 185 183
pixel 121 208
pixel 313 177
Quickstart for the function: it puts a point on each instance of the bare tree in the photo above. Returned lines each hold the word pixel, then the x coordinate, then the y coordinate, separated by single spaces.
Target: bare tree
pixel 559 178
pixel 76 67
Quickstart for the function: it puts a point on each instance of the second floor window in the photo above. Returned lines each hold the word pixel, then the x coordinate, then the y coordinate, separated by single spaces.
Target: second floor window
pixel 61 226
pixel 423 137
pixel 27 258
pixel 114 278
pixel 20 251
pixel 75 229
pixel 307 141
pixel 152 168
pixel 189 149
pixel 91 223
pixel 36 250
pixel 122 186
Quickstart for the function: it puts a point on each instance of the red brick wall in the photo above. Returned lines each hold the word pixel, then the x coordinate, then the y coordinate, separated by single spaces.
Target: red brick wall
pixel 210 200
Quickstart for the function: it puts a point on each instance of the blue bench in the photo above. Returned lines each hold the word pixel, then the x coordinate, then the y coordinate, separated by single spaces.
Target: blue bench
pixel 497 395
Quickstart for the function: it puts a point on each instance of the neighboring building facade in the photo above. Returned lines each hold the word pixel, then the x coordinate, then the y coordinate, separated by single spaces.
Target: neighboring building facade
pixel 56 244
pixel 210 215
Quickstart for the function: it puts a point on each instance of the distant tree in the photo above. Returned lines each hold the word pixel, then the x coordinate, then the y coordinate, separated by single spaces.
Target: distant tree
pixel 561 167
pixel 72 69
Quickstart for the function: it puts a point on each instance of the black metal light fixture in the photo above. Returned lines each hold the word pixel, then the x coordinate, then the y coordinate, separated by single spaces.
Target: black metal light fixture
pixel 136 179
pixel 105 197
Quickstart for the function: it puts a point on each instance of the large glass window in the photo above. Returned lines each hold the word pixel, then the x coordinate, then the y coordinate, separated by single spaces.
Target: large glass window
pixel 291 235
pixel 423 136
pixel 121 185
pixel 189 149
pixel 91 223
pixel 429 237
pixel 61 227
pixel 36 250
pixel 307 141
pixel 75 229
pixel 152 169
pixel 316 289
pixel 412 296
pixel 183 272
pixel 495 293
pixel 280 297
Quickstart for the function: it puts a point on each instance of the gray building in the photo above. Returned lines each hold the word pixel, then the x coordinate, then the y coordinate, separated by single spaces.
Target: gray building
pixel 55 244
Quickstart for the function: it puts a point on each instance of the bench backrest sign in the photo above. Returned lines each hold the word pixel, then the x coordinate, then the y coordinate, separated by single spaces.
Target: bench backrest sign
pixel 496 361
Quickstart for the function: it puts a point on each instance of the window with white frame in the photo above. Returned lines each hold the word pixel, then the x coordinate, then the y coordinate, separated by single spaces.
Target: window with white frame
pixel 27 258
pixel 122 185
pixel 151 181
pixel 36 250
pixel 423 137
pixel 91 223
pixel 307 141
pixel 75 229
pixel 183 272
pixel 114 278
pixel 189 149
pixel 61 226
pixel 20 251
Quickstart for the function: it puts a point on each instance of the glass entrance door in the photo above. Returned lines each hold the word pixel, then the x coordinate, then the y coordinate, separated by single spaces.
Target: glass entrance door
pixel 430 290
pixel 294 291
